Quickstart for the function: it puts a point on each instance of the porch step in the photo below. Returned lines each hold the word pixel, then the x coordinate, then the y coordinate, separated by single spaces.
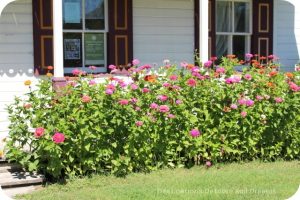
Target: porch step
pixel 9 167
pixel 18 179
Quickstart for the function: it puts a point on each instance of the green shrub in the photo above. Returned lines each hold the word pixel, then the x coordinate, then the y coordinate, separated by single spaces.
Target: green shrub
pixel 174 116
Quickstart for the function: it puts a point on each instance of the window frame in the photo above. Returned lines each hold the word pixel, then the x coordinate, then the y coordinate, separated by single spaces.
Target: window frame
pixel 68 70
pixel 233 33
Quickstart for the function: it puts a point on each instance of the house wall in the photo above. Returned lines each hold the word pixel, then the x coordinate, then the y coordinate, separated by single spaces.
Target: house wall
pixel 287 32
pixel 16 55
pixel 163 30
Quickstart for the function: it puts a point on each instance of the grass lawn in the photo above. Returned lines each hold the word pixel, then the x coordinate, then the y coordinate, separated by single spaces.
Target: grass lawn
pixel 255 180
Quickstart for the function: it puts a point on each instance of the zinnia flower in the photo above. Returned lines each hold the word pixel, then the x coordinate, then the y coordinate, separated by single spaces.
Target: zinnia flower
pixel 109 91
pixel 242 101
pixel 150 78
pixel 139 123
pixel 248 56
pixel 166 85
pixel 173 78
pixel 164 108
pixel 248 77
pixel 86 99
pixel 294 87
pixel 178 102
pixel 259 98
pixel 249 102
pixel 233 106
pixel 171 116
pixel 244 114
pixel 195 133
pixel 58 138
pixel 112 67
pixel 92 67
pixel 27 83
pixel 220 70
pixel 191 82
pixel 92 82
pixel 145 90
pixel 153 106
pixel 208 164
pixel 278 99
pixel 208 64
pixel 134 86
pixel 162 97
pixel 123 102
pixel 39 132
pixel 135 62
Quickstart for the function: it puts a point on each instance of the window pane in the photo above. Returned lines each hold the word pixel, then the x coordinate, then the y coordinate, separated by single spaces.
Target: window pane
pixel 222 44
pixel 241 16
pixel 224 16
pixel 94 14
pixel 94 49
pixel 239 46
pixel 72 49
pixel 72 14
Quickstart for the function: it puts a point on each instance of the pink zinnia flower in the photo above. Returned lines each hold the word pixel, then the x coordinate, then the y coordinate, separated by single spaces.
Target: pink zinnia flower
pixel 173 78
pixel 236 79
pixel 233 106
pixel 58 138
pixel 109 91
pixel 86 99
pixel 278 99
pixel 135 62
pixel 220 70
pixel 133 100
pixel 139 123
pixel 178 102
pixel 171 116
pixel 229 81
pixel 162 97
pixel 112 67
pixel 208 64
pixel 244 114
pixel 166 85
pixel 145 90
pixel 259 98
pixel 195 133
pixel 249 56
pixel 92 82
pixel 164 108
pixel 134 86
pixel 191 82
pixel 39 132
pixel 137 108
pixel 111 86
pixel 208 164
pixel 242 101
pixel 123 102
pixel 294 87
pixel 153 106
pixel 176 87
pixel 76 72
pixel 184 64
pixel 249 102
pixel 248 77
pixel 92 67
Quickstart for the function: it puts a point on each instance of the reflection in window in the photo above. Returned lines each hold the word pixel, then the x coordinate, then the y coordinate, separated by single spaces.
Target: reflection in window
pixel 72 14
pixel 94 14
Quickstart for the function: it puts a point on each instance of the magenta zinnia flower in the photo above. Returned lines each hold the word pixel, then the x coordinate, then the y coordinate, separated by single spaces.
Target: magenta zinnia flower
pixel 220 70
pixel 139 123
pixel 135 62
pixel 259 98
pixel 195 133
pixel 58 138
pixel 162 97
pixel 249 102
pixel 278 99
pixel 145 90
pixel 191 82
pixel 248 77
pixel 244 114
pixel 153 106
pixel 233 106
pixel 242 101
pixel 164 108
pixel 86 99
pixel 208 64
pixel 123 102
pixel 134 86
pixel 39 132
pixel 109 91
pixel 173 78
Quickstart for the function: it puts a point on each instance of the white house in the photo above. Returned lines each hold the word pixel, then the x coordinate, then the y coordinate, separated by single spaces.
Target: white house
pixel 103 32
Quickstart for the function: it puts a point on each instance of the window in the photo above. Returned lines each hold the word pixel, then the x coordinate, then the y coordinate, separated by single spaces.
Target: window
pixel 233 27
pixel 84 34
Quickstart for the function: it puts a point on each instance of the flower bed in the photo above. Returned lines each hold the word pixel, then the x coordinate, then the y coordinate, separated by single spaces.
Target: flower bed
pixel 176 116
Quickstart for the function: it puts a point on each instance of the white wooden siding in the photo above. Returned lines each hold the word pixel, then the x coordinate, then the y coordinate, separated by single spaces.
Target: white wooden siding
pixel 16 55
pixel 287 32
pixel 163 30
